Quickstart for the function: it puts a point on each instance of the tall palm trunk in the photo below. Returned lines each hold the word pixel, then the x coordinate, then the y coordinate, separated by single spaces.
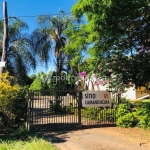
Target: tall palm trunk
pixel 58 74
pixel 59 67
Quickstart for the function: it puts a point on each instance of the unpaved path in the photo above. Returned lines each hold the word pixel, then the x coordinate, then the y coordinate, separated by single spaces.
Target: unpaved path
pixel 108 138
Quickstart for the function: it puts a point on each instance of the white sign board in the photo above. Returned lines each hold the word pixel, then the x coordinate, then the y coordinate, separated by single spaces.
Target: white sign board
pixel 96 99
pixel 2 64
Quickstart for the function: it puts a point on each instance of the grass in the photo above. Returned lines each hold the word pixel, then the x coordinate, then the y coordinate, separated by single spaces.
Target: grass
pixel 146 100
pixel 25 141
pixel 143 100
pixel 33 144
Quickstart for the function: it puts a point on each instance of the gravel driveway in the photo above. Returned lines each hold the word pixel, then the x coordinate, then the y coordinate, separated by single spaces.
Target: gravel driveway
pixel 106 138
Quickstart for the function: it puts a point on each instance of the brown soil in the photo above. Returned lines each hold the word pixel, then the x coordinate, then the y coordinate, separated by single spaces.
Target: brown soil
pixel 106 138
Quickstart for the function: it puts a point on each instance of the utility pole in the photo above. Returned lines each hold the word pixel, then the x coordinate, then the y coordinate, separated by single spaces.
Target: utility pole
pixel 5 36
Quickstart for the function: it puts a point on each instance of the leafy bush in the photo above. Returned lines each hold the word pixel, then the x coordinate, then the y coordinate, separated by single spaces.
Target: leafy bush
pixel 133 114
pixel 123 110
pixel 69 110
pixel 126 120
pixel 143 114
pixel 37 84
pixel 57 107
pixel 13 105
pixel 8 90
pixel 8 93
pixel 91 113
pixel 144 121
pixel 19 105
pixel 99 114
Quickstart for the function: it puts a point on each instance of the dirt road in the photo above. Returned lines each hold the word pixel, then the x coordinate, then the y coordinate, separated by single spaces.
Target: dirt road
pixel 110 138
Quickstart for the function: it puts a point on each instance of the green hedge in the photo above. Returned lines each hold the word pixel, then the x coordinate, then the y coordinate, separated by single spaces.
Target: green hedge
pixel 135 114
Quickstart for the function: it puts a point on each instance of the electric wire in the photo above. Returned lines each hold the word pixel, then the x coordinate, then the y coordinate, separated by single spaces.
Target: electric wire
pixel 32 16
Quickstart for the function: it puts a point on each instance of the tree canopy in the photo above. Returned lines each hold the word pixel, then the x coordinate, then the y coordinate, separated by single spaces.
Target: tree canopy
pixel 49 37
pixel 20 58
pixel 117 36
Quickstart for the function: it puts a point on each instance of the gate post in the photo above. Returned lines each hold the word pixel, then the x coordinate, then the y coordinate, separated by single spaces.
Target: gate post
pixel 29 115
pixel 29 109
pixel 79 96
pixel 28 119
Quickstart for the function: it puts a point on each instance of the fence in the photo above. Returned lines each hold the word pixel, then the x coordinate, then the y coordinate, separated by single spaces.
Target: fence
pixel 62 109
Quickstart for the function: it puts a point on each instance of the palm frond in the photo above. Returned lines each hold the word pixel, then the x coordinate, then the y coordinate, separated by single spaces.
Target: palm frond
pixel 20 70
pixel 15 28
pixel 41 44
pixel 20 57
pixel 51 31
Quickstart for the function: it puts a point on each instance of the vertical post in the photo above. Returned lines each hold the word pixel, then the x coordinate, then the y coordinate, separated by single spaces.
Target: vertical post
pixel 5 36
pixel 29 115
pixel 28 119
pixel 119 99
pixel 30 111
pixel 32 108
pixel 79 94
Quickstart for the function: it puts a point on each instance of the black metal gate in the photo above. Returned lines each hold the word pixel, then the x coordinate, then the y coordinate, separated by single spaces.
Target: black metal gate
pixel 50 110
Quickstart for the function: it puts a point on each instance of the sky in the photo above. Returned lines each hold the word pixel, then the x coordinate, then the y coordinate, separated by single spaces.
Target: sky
pixel 27 10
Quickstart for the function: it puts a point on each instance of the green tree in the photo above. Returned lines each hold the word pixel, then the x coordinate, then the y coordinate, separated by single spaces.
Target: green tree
pixel 20 58
pixel 77 46
pixel 119 32
pixel 39 83
pixel 49 36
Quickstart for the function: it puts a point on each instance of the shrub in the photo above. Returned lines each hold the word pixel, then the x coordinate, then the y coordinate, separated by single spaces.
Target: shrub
pixel 8 90
pixel 99 114
pixel 91 113
pixel 123 110
pixel 144 121
pixel 8 93
pixel 13 105
pixel 125 117
pixel 55 105
pixel 126 120
pixel 136 114
pixel 37 84
pixel 19 105
pixel 142 114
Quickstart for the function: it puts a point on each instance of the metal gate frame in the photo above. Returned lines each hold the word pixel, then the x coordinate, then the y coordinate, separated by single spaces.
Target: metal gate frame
pixel 83 119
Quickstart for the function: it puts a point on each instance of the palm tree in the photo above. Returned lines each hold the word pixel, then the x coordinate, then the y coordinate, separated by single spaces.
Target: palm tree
pixel 49 36
pixel 19 59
